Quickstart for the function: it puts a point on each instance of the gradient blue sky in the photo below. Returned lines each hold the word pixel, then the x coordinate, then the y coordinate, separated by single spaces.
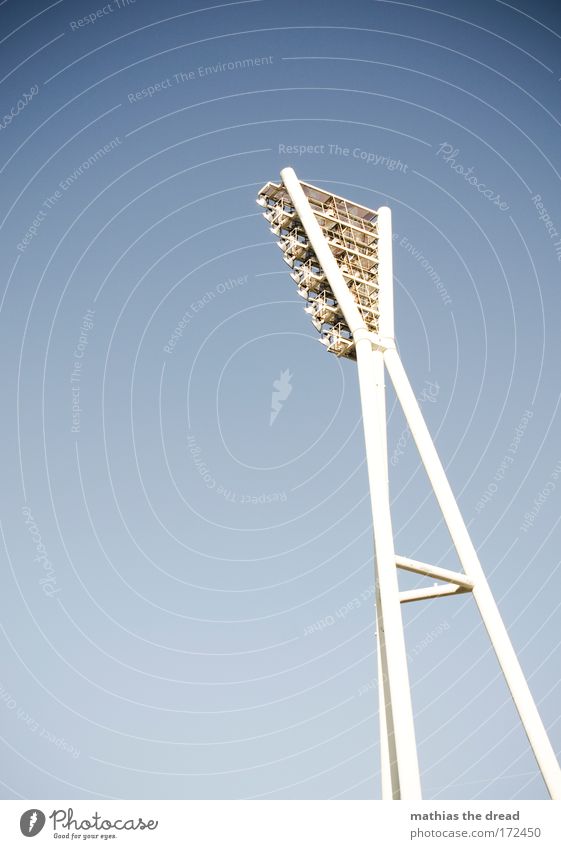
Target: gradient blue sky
pixel 192 548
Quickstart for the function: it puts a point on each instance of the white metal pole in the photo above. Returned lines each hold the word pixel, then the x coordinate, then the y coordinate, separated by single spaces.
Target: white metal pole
pixel 388 755
pixel 370 366
pixel 372 391
pixel 385 765
pixel 386 330
pixel 498 634
pixel 385 274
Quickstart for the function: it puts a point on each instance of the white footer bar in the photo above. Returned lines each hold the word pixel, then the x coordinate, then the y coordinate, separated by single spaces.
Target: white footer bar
pixel 281 824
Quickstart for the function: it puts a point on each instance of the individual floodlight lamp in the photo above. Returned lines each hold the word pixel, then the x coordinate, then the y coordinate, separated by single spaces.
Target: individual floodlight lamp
pixel 340 254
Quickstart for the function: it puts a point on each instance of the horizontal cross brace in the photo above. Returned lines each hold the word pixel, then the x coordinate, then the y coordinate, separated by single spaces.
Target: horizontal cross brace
pixel 436 591
pixel 460 579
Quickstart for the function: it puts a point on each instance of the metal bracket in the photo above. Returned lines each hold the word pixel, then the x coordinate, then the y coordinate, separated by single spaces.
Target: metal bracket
pixel 457 581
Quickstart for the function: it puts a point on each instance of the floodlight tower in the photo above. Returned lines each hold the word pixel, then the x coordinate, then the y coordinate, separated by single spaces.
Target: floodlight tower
pixel 340 254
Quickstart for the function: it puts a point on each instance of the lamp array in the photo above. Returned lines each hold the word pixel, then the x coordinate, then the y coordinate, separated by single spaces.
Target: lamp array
pixel 352 235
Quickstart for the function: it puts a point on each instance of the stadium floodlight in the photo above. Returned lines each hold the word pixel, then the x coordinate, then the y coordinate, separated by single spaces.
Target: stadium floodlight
pixel 340 254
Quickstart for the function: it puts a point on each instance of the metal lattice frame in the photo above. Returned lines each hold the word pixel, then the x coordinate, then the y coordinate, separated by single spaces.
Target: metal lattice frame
pixel 351 232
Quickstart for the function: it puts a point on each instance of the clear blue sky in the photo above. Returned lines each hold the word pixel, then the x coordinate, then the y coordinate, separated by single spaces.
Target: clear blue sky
pixel 167 552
